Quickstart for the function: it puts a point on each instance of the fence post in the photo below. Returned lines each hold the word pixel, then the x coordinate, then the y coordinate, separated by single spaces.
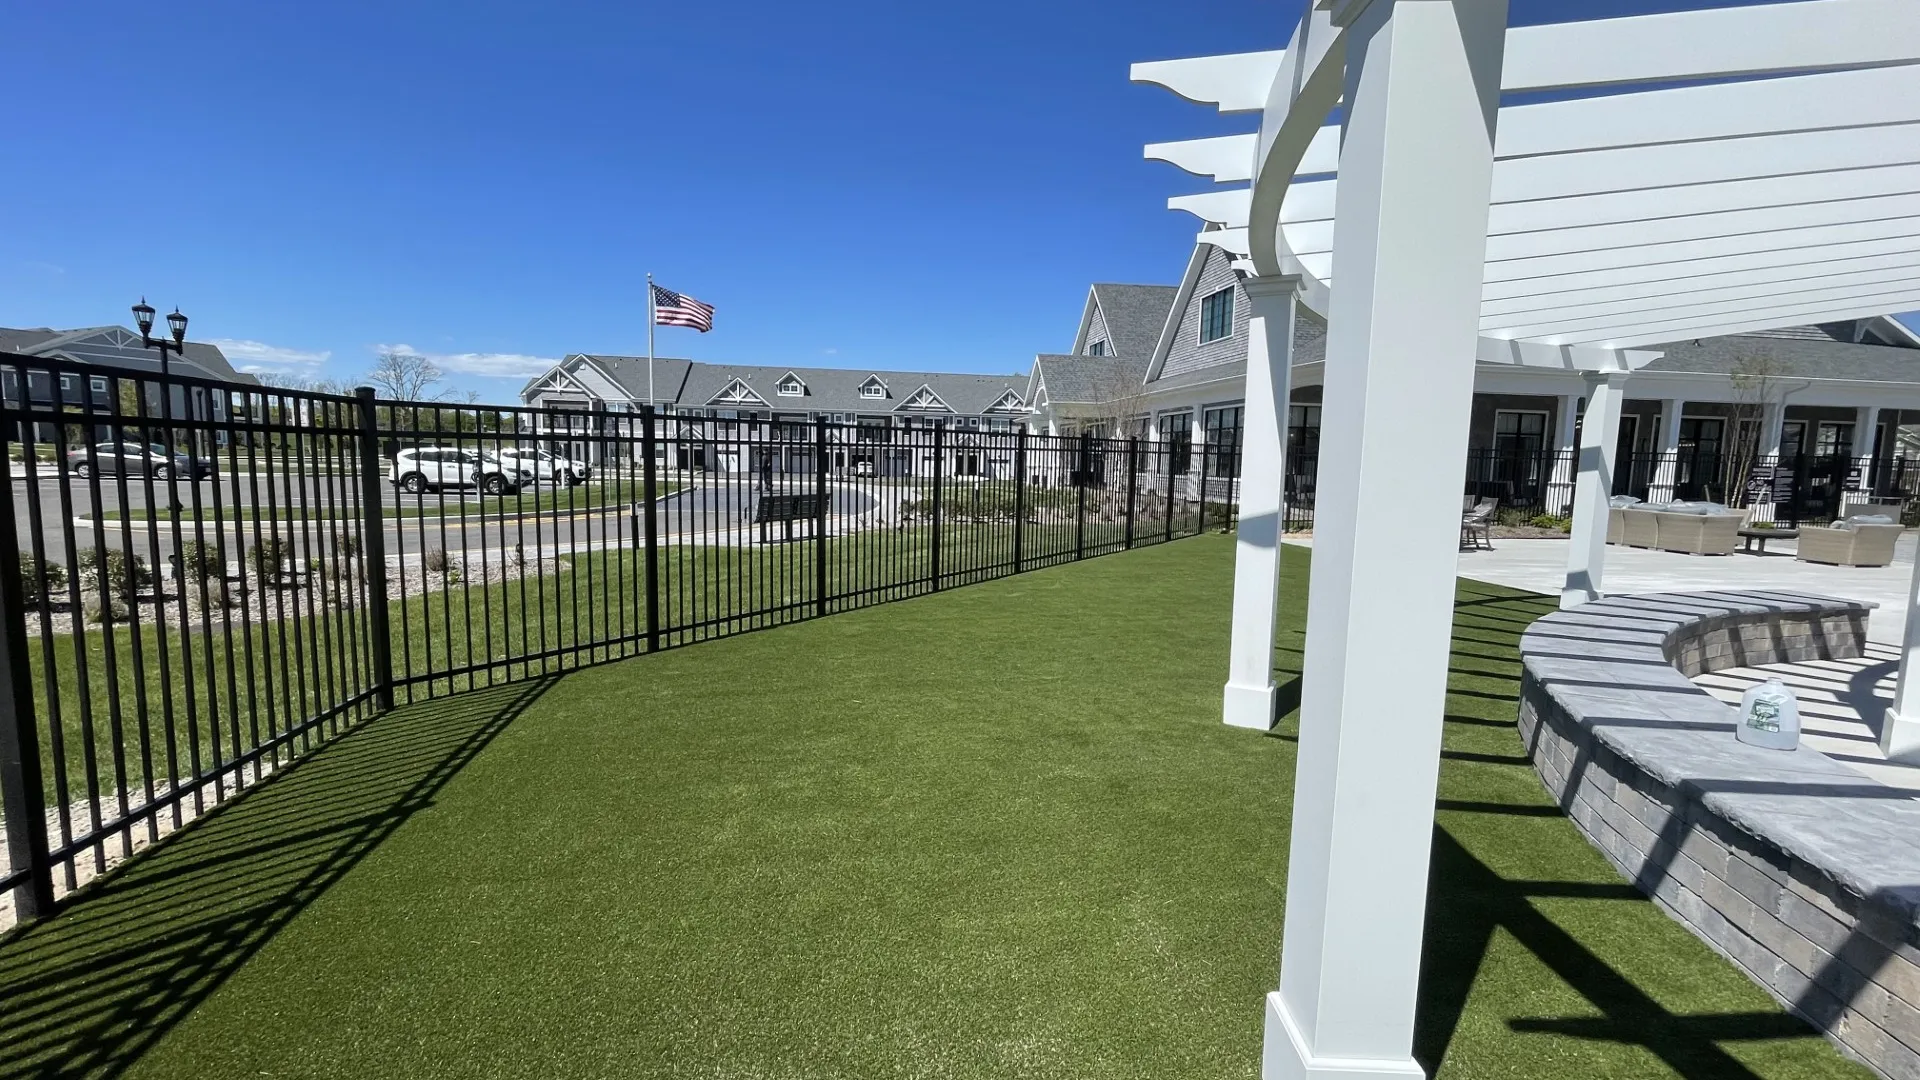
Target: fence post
pixel 1083 474
pixel 649 492
pixel 820 521
pixel 1166 453
pixel 1200 528
pixel 22 787
pixel 1133 462
pixel 374 542
pixel 1019 499
pixel 939 441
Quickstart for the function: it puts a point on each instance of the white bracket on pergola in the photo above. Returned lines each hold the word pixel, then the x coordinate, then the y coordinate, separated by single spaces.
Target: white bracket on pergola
pixel 1641 180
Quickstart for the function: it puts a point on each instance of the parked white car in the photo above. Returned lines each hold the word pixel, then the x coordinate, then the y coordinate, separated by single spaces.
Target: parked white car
pixel 547 465
pixel 417 469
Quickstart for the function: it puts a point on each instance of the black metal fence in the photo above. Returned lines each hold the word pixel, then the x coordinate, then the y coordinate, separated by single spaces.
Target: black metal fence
pixel 202 581
pixel 1531 484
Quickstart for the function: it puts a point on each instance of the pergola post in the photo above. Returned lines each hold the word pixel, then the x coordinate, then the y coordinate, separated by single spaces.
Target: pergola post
pixel 1599 434
pixel 1416 161
pixel 1900 729
pixel 1249 695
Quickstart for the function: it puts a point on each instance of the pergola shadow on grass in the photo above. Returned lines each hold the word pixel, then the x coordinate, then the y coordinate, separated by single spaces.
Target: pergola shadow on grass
pixel 995 832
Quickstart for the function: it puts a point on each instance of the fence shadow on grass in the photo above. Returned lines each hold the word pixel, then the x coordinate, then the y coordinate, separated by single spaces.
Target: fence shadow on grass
pixel 88 992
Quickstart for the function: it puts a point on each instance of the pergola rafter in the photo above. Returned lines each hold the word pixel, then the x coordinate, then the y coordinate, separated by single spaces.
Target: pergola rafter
pixel 1564 196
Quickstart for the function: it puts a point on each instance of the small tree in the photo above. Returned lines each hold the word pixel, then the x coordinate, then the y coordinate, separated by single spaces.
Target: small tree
pixel 404 376
pixel 1756 386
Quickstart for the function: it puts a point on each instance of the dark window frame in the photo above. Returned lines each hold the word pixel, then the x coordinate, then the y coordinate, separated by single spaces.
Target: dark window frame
pixel 1216 315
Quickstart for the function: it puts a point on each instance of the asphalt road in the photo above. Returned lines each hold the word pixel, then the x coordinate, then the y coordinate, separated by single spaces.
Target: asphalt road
pixel 431 521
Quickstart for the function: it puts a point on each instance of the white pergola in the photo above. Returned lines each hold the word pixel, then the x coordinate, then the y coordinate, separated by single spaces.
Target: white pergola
pixel 1565 196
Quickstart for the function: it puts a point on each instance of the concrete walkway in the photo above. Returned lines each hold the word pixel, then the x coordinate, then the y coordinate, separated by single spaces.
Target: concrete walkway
pixel 1541 566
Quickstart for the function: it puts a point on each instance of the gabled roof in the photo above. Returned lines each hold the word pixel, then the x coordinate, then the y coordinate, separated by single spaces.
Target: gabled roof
pixel 118 347
pixel 1134 316
pixel 693 385
pixel 1087 380
pixel 735 392
pixel 1792 356
pixel 924 399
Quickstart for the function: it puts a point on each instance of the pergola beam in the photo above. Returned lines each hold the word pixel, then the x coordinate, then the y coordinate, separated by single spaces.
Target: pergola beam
pixel 1708 286
pixel 1866 308
pixel 1715 43
pixel 1696 304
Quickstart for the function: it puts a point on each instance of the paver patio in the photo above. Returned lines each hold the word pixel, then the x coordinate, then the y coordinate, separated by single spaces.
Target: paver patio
pixel 999 831
pixel 1541 566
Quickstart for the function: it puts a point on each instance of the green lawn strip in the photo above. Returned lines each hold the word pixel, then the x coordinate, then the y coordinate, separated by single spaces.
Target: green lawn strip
pixel 544 501
pixel 592 609
pixel 997 832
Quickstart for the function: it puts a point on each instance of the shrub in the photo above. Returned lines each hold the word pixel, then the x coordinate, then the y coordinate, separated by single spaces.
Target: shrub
pixel 32 571
pixel 200 560
pixel 270 557
pixel 124 575
pixel 1551 521
pixel 346 542
pixel 436 561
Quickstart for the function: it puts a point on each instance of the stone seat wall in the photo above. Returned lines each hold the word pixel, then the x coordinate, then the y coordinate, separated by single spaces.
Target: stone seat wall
pixel 1801 871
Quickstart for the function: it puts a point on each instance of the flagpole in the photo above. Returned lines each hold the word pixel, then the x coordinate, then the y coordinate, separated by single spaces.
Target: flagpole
pixel 650 318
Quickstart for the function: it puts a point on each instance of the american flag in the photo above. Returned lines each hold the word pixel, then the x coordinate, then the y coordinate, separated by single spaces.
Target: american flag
pixel 673 309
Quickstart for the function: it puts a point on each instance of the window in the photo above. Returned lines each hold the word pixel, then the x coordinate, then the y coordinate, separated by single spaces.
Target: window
pixel 1176 431
pixel 1516 432
pixel 1834 439
pixel 1223 441
pixel 791 386
pixel 873 388
pixel 1303 432
pixel 1700 436
pixel 1216 315
pixel 1098 348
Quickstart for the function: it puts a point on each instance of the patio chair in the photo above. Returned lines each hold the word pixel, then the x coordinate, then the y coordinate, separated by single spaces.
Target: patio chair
pixel 1476 526
pixel 1617 518
pixel 1848 544
pixel 1850 508
pixel 1696 534
pixel 1637 527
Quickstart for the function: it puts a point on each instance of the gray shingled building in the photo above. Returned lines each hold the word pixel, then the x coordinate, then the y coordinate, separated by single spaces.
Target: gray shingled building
pixel 111 349
pixel 693 396
pixel 1169 362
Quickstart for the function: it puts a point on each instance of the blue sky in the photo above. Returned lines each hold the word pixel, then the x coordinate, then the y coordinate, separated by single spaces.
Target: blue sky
pixel 856 184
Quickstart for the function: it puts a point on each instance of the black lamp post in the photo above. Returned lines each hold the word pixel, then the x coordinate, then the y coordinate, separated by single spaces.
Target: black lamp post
pixel 176 323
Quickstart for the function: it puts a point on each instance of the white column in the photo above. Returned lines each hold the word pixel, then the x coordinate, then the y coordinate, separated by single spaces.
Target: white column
pixel 1416 157
pixel 1668 463
pixel 1900 730
pixel 1865 419
pixel 1599 435
pixel 1772 429
pixel 1561 485
pixel 1248 699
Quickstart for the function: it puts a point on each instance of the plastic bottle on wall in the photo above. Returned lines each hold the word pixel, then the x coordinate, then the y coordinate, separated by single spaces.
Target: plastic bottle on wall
pixel 1770 716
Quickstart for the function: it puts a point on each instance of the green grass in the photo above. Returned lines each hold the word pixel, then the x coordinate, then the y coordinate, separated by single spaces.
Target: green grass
pixel 997 832
pixel 297 667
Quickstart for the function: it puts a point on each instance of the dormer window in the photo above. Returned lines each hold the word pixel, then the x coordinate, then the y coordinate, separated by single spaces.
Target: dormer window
pixel 791 386
pixel 873 388
pixel 1216 316
pixel 1098 348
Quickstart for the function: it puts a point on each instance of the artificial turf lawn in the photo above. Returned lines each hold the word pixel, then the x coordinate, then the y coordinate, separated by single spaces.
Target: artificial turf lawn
pixel 994 832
